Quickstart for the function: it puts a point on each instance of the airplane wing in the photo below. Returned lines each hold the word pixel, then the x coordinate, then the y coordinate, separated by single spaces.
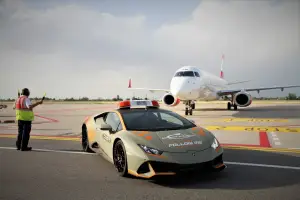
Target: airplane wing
pixel 237 82
pixel 149 89
pixel 230 92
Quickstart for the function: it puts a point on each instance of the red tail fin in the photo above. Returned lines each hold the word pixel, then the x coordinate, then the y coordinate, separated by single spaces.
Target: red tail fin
pixel 129 84
pixel 222 74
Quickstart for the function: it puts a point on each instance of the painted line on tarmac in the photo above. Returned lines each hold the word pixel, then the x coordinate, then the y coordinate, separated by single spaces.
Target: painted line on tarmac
pixel 263 139
pixel 254 128
pixel 49 150
pixel 253 120
pixel 277 150
pixel 44 137
pixel 230 163
pixel 46 118
pixel 263 165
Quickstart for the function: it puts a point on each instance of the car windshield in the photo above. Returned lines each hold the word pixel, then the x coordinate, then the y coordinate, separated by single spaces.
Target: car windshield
pixel 154 120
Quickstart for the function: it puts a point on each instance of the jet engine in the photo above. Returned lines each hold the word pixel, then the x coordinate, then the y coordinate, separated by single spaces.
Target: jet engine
pixel 242 99
pixel 170 100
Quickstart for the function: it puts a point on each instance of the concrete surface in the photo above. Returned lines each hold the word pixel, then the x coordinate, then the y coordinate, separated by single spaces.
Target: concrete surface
pixel 68 174
pixel 58 169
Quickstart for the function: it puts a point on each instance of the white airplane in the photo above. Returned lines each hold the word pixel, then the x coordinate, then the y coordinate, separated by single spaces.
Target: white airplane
pixel 191 83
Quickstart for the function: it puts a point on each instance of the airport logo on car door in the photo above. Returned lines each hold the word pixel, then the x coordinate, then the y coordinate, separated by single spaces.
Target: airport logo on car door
pixel 106 137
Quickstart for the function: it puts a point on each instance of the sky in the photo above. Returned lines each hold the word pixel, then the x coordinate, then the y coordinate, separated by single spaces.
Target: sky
pixel 91 48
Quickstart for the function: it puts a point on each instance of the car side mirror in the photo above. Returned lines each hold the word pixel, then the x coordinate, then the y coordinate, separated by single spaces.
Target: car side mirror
pixel 106 127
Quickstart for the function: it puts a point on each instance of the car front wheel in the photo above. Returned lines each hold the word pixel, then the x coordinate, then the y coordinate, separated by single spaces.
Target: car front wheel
pixel 120 158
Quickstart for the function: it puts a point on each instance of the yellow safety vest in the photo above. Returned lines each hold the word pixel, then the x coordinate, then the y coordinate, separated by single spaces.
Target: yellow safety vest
pixel 22 112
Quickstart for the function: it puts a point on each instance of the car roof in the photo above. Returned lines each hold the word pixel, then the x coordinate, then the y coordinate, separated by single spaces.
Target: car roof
pixel 126 110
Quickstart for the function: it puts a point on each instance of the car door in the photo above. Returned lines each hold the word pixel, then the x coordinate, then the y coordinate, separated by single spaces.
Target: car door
pixel 99 132
pixel 107 138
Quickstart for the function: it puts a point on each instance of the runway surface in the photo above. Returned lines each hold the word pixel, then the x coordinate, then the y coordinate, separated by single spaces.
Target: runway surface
pixel 262 152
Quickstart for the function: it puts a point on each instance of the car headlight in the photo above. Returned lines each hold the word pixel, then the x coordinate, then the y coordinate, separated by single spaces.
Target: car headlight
pixel 215 144
pixel 150 150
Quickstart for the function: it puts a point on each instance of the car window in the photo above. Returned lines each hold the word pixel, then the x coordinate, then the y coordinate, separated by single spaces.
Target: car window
pixel 170 118
pixel 154 120
pixel 114 121
pixel 99 120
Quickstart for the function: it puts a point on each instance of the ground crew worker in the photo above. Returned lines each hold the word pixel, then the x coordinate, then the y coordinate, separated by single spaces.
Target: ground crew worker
pixel 24 116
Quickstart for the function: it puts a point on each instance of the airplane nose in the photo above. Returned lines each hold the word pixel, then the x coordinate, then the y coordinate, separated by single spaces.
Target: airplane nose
pixel 180 89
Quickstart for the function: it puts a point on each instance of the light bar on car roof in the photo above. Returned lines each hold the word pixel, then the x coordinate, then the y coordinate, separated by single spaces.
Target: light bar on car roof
pixel 138 104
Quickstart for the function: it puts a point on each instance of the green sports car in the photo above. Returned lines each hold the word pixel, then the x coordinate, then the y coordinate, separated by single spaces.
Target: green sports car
pixel 143 140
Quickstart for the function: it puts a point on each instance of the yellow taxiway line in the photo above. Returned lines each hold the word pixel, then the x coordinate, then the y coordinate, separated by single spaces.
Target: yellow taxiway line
pixel 279 150
pixel 254 128
pixel 252 120
pixel 42 137
pixel 57 138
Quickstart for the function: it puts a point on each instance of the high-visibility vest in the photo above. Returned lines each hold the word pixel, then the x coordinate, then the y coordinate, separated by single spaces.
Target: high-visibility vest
pixel 22 112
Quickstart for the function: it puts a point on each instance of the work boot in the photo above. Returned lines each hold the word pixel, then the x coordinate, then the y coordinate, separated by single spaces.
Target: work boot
pixel 26 149
pixel 18 145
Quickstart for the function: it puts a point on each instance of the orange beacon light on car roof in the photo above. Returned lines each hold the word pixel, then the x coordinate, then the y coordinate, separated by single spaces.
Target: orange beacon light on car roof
pixel 138 104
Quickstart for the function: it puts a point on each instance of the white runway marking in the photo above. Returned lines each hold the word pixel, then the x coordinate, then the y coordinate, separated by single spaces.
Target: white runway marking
pixel 49 150
pixel 275 139
pixel 263 165
pixel 230 163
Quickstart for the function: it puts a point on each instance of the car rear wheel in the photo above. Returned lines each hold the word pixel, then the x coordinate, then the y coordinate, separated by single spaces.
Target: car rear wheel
pixel 85 141
pixel 120 158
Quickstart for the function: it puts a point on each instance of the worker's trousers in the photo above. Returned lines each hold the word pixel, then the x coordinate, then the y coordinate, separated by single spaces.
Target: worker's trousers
pixel 24 129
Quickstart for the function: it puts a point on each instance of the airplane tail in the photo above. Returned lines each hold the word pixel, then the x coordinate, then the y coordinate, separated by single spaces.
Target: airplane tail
pixel 222 73
pixel 129 83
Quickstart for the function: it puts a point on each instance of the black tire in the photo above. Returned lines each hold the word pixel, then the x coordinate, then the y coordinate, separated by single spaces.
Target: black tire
pixel 85 141
pixel 228 106
pixel 120 159
pixel 235 107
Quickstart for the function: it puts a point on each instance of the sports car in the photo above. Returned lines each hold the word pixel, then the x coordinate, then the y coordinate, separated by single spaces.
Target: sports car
pixel 141 139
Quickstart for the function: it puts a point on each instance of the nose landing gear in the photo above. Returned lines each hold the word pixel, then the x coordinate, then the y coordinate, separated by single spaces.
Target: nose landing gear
pixel 189 106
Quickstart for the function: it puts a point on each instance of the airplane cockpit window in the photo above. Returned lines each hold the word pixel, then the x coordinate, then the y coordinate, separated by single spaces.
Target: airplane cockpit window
pixel 185 73
pixel 197 74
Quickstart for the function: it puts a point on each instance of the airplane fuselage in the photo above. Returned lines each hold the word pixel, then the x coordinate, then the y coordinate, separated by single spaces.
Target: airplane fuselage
pixel 191 83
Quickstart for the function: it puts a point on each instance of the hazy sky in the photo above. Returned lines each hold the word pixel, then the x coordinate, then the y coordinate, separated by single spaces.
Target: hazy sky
pixel 92 47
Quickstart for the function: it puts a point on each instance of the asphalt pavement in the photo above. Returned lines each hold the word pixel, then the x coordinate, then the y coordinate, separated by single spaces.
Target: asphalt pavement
pixel 261 143
pixel 60 170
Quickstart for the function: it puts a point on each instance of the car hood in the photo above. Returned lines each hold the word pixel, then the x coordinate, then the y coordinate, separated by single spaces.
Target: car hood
pixel 195 139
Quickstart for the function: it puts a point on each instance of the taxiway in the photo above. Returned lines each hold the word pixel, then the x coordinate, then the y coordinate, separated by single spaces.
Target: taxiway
pixel 262 151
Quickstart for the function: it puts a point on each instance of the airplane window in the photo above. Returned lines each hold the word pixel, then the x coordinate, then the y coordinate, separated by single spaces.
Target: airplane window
pixel 185 73
pixel 197 74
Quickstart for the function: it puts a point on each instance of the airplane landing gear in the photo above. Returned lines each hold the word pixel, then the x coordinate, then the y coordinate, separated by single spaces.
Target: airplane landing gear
pixel 231 104
pixel 189 106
